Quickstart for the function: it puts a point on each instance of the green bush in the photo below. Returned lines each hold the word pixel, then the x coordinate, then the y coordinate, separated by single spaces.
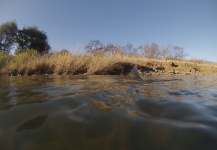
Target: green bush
pixel 25 56
pixel 20 63
pixel 4 59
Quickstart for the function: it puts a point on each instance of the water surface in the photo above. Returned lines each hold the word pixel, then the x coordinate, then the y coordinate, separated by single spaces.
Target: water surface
pixel 100 112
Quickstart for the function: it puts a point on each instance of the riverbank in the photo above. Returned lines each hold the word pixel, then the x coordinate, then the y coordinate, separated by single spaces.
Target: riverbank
pixel 26 64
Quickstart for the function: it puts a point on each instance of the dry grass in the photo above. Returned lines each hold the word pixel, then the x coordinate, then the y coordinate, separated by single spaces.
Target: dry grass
pixel 30 63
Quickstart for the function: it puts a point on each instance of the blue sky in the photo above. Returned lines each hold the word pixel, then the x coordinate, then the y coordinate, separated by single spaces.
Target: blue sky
pixel 191 24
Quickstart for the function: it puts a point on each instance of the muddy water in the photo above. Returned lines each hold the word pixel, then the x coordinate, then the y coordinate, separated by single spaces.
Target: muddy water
pixel 100 112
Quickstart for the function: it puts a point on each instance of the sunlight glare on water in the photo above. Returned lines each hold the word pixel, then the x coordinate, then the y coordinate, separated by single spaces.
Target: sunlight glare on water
pixel 100 112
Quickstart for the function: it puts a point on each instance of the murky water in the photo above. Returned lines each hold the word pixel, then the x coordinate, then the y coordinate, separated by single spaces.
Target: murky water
pixel 99 112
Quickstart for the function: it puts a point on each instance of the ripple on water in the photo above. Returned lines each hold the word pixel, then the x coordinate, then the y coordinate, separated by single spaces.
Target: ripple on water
pixel 99 112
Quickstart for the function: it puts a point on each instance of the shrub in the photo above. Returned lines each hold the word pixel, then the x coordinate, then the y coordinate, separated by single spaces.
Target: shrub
pixel 4 59
pixel 19 63
pixel 25 56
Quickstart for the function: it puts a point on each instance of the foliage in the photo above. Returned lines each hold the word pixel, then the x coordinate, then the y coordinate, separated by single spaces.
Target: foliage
pixel 166 52
pixel 8 33
pixel 95 47
pixel 4 59
pixel 111 50
pixel 25 56
pixel 32 38
pixel 62 62
pixel 26 38
pixel 172 52
pixel 130 50
pixel 150 51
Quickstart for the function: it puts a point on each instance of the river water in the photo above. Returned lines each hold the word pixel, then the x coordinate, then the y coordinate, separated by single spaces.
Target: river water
pixel 100 112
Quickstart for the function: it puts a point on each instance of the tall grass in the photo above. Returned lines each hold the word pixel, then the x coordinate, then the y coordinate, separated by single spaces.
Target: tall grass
pixel 32 63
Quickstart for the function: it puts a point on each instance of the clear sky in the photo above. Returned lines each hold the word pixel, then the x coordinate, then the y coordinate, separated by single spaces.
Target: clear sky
pixel 191 24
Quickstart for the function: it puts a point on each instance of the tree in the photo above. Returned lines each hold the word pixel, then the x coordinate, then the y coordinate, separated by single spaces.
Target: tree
pixel 130 50
pixel 95 47
pixel 111 49
pixel 8 34
pixel 32 38
pixel 172 52
pixel 179 52
pixel 27 38
pixel 154 50
pixel 150 51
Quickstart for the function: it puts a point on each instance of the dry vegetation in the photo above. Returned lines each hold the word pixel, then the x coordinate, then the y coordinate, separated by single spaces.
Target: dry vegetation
pixel 31 63
pixel 33 57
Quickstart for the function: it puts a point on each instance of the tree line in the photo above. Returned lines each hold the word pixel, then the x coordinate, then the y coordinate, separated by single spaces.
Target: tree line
pixel 22 39
pixel 31 37
pixel 151 51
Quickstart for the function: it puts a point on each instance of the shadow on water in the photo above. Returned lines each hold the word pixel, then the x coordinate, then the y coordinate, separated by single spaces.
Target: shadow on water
pixel 100 112
pixel 33 123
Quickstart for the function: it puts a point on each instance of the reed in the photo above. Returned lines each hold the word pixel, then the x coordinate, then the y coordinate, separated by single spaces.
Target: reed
pixel 59 63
